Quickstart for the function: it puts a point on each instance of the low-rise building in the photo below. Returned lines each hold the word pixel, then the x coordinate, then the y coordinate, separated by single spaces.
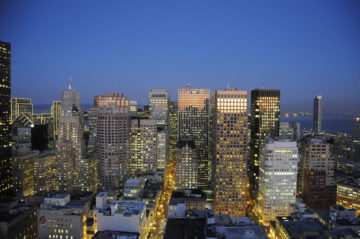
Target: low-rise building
pixel 134 188
pixel 348 194
pixel 18 221
pixel 181 201
pixel 60 217
pixel 125 216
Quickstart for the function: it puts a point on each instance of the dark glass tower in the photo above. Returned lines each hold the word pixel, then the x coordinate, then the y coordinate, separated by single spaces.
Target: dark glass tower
pixel 6 184
pixel 317 114
pixel 264 124
pixel 194 116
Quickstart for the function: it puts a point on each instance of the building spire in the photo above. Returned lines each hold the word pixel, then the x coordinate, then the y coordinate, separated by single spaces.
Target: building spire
pixel 70 83
pixel 228 86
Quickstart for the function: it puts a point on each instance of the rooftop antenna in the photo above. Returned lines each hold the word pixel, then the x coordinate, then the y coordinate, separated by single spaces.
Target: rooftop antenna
pixel 262 86
pixel 228 84
pixel 70 83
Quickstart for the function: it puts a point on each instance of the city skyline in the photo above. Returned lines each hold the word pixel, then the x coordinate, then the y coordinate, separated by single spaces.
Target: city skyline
pixel 109 54
pixel 172 120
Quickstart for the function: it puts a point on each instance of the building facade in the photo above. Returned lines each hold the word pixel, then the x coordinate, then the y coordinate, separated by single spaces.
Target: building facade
pixel 143 147
pixel 316 174
pixel 112 134
pixel 194 123
pixel 230 127
pixel 277 179
pixel 69 145
pixel 21 106
pixel 55 114
pixel 264 124
pixel 317 116
pixel 6 178
pixel 186 165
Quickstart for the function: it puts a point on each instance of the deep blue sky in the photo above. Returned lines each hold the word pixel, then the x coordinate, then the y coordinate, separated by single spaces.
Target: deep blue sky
pixel 303 48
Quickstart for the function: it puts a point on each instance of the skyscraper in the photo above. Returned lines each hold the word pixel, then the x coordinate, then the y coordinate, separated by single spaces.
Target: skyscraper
pixel 186 165
pixel 55 114
pixel 159 105
pixel 70 100
pixel 6 184
pixel 112 134
pixel 173 130
pixel 277 178
pixel 316 174
pixel 143 147
pixel 317 116
pixel 264 124
pixel 21 106
pixel 69 145
pixel 230 125
pixel 356 140
pixel 159 100
pixel 194 114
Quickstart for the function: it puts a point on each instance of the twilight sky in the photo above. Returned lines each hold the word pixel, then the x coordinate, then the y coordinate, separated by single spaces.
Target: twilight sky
pixel 303 48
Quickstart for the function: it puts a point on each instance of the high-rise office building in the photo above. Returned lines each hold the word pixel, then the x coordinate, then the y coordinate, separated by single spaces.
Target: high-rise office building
pixel 264 124
pixel 356 140
pixel 45 173
pixel 70 101
pixel 186 165
pixel 92 129
pixel 317 116
pixel 70 145
pixel 173 130
pixel 143 147
pixel 162 147
pixel 21 106
pixel 277 179
pixel 194 118
pixel 286 132
pixel 159 105
pixel 55 114
pixel 6 184
pixel 296 130
pixel 112 134
pixel 159 100
pixel 23 165
pixel 316 174
pixel 230 125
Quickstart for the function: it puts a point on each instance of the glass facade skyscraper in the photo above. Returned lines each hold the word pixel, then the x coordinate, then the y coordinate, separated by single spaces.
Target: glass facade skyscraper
pixel 264 124
pixel 6 184
pixel 194 116
pixel 317 114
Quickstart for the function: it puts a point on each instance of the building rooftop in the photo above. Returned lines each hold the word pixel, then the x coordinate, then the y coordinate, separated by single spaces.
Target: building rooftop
pixel 308 226
pixel 179 228
pixel 246 231
pixel 115 235
pixel 58 196
pixel 127 207
pixel 134 182
pixel 351 182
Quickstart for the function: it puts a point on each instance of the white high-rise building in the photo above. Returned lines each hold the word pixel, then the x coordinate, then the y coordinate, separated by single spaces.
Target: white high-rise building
pixel 277 178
